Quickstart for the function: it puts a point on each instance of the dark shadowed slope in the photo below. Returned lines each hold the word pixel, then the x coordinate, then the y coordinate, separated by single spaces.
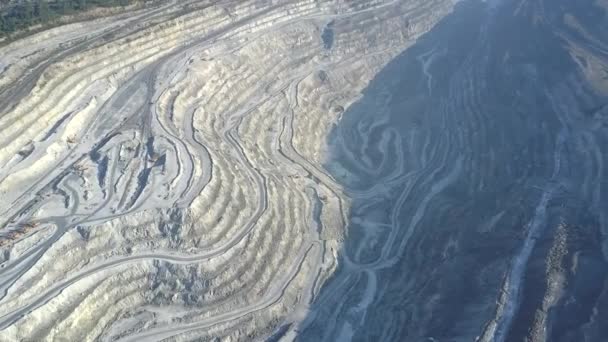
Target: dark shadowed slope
pixel 475 163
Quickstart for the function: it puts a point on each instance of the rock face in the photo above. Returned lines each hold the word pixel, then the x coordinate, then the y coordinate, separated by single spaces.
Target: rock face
pixel 474 167
pixel 313 170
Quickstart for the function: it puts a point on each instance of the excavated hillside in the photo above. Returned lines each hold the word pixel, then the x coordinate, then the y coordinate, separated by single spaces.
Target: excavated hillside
pixel 313 170
pixel 161 171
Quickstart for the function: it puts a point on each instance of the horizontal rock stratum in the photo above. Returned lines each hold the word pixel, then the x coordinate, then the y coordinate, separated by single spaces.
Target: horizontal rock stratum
pixel 315 170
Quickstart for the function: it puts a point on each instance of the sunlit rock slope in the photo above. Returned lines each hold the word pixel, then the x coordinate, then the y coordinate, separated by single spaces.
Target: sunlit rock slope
pixel 162 171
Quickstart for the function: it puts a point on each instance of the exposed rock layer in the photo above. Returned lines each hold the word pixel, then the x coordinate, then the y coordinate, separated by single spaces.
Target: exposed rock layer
pixel 322 170
pixel 161 171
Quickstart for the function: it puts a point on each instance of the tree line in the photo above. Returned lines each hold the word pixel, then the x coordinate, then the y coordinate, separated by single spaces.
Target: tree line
pixel 23 14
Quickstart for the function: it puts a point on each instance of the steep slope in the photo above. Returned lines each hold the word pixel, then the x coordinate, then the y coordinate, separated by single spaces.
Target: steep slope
pixel 317 170
pixel 474 165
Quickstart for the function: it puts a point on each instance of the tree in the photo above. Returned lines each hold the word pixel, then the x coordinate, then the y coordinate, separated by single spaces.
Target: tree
pixel 43 11
pixel 65 6
pixel 27 12
pixel 82 4
pixel 2 24
pixel 9 24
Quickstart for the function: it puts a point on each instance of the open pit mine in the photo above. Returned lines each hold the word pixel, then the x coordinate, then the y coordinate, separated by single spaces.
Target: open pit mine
pixel 308 170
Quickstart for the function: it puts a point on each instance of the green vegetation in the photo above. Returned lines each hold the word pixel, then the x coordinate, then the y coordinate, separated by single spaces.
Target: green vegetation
pixel 20 16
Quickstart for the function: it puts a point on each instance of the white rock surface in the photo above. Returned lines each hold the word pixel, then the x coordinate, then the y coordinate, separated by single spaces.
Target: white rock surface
pixel 160 170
